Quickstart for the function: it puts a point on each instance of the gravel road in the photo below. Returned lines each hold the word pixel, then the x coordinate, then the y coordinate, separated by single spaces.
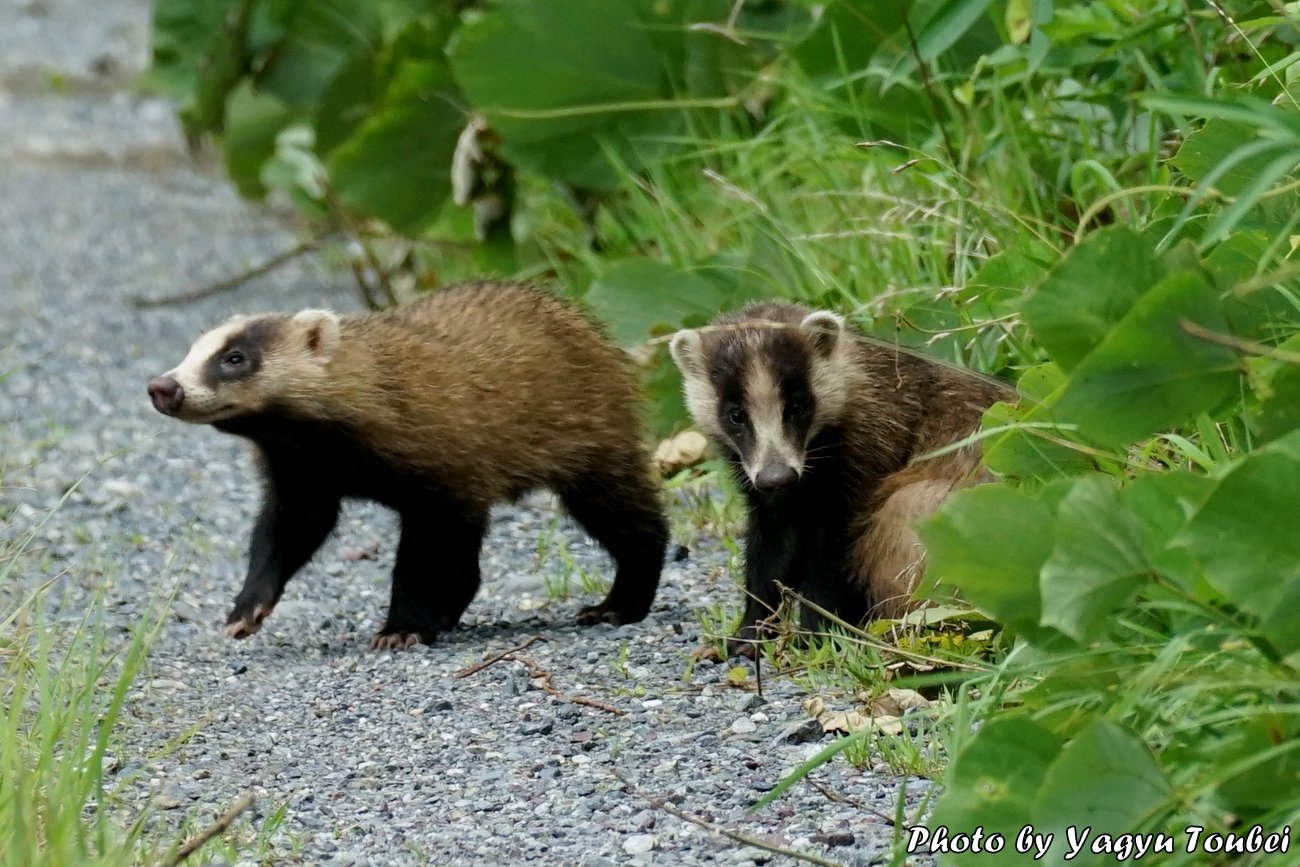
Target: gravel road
pixel 374 758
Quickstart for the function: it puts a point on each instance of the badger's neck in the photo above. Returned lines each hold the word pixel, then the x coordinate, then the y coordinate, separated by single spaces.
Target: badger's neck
pixel 881 411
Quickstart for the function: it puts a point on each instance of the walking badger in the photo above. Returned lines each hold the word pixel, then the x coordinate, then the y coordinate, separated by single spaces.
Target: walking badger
pixel 821 430
pixel 468 397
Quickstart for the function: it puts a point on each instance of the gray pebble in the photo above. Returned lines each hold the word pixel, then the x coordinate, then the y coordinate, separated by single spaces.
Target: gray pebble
pixel 639 844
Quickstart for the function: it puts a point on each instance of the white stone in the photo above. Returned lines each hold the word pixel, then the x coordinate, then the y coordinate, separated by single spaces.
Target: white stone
pixel 639 844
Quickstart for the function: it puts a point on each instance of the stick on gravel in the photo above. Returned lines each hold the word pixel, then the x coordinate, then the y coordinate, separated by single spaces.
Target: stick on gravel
pixel 223 822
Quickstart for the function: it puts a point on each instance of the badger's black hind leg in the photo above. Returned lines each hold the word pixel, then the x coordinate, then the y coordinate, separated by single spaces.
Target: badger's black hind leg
pixel 435 577
pixel 622 512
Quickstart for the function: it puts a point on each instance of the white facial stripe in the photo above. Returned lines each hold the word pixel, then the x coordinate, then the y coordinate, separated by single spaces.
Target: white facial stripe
pixel 702 401
pixel 200 396
pixel 829 384
pixel 766 410
pixel 189 373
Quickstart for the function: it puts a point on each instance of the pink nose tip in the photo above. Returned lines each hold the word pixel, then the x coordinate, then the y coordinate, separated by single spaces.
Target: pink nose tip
pixel 166 394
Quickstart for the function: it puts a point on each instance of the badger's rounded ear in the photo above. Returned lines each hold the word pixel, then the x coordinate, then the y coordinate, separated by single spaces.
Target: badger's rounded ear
pixel 320 331
pixel 824 329
pixel 686 348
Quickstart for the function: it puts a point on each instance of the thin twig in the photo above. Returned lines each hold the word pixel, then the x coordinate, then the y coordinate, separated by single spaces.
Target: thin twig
pixel 712 828
pixel 928 84
pixel 536 671
pixel 228 283
pixel 497 657
pixel 832 795
pixel 1245 346
pixel 223 822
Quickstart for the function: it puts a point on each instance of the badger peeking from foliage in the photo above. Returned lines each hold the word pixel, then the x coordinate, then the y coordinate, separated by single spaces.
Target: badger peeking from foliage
pixel 438 410
pixel 822 430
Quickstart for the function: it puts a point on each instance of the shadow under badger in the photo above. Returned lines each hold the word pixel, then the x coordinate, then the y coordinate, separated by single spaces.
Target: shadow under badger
pixel 469 397
pixel 821 429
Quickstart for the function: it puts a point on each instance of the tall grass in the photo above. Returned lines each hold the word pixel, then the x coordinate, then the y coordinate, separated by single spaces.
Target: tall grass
pixel 61 699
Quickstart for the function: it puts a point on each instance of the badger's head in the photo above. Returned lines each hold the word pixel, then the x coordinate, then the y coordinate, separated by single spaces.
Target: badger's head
pixel 246 364
pixel 763 383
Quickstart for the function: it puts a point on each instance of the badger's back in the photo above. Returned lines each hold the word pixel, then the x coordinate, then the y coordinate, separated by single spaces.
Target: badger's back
pixel 494 388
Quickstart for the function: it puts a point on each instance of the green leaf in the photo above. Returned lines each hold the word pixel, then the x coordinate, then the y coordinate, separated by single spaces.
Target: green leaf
pixel 220 70
pixel 1251 112
pixel 994 781
pixel 184 32
pixel 1273 778
pixel 1165 503
pixel 1204 151
pixel 1244 539
pixel 847 36
pixel 1031 451
pixel 1279 411
pixel 1098 561
pixel 397 166
pixel 345 103
pixel 1090 291
pixel 318 39
pixel 641 298
pixel 990 542
pixel 948 24
pixel 1105 779
pixel 560 81
pixel 1019 20
pixel 1281 164
pixel 1149 374
pixel 252 122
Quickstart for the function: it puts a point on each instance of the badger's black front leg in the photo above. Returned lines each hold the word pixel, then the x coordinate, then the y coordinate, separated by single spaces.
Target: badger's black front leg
pixel 436 574
pixel 295 520
pixel 772 552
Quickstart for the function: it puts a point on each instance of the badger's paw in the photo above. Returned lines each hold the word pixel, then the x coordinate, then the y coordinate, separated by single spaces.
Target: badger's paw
pixel 243 624
pixel 594 614
pixel 745 647
pixel 706 653
pixel 387 639
pixel 608 612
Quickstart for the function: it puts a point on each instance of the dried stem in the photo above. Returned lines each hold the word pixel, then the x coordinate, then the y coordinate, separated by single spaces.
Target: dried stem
pixel 535 670
pixel 228 283
pixel 223 822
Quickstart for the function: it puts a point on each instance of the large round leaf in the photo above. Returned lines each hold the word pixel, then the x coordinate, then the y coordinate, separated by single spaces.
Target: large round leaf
pixel 397 166
pixel 560 81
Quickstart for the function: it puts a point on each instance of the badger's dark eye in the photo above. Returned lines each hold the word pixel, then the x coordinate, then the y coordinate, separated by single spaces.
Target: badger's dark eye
pixel 794 408
pixel 233 359
pixel 736 416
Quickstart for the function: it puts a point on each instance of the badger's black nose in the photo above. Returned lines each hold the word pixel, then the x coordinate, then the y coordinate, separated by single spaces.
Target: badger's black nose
pixel 774 477
pixel 166 394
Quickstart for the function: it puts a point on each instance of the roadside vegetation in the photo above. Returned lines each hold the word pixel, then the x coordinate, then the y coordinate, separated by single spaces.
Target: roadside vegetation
pixel 1095 200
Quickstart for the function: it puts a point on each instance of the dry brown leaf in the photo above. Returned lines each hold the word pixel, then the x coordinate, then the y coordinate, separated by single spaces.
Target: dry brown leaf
pixel 848 722
pixel 896 702
pixel 678 452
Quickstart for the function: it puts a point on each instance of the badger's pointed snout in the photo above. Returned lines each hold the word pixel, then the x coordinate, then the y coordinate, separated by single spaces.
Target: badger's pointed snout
pixel 166 394
pixel 773 477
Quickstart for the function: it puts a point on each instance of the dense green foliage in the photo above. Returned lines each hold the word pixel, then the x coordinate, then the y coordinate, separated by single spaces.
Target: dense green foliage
pixel 1097 199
